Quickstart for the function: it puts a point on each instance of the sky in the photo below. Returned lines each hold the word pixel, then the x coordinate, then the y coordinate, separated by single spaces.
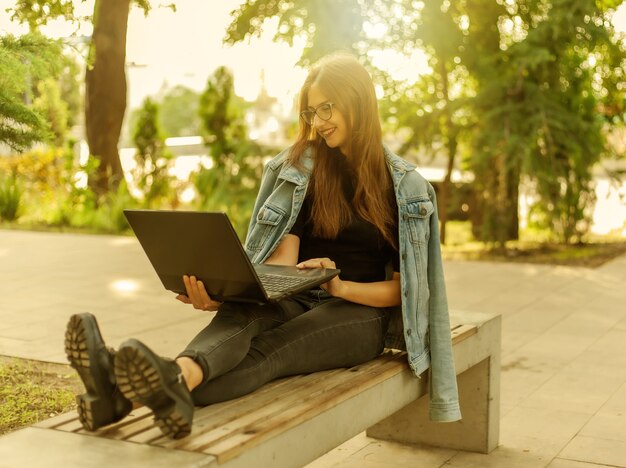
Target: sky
pixel 184 47
pixel 167 48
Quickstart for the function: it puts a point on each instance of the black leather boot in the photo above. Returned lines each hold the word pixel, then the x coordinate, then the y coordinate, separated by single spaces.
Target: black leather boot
pixel 103 403
pixel 157 383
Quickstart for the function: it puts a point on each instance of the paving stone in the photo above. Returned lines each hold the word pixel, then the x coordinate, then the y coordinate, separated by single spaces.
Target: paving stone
pixel 596 450
pixel 540 431
pixel 563 463
pixel 390 454
pixel 574 392
pixel 502 457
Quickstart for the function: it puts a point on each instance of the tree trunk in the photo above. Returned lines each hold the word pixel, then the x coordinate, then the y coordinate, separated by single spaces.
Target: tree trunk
pixel 446 187
pixel 105 101
pixel 450 133
pixel 513 219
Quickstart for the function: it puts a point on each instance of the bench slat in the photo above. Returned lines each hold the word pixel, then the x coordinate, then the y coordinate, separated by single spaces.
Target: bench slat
pixel 252 412
pixel 307 407
pixel 461 332
pixel 130 428
pixel 58 421
pixel 223 412
pixel 215 422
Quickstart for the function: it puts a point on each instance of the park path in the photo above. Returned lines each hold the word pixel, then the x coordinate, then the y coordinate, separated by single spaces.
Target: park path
pixel 563 389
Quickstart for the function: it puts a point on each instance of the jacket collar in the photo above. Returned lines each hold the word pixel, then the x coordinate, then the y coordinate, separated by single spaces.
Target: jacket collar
pixel 301 176
pixel 397 165
pixel 297 175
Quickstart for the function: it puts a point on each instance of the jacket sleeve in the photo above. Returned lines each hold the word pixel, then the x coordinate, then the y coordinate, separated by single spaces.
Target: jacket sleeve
pixel 268 181
pixel 444 400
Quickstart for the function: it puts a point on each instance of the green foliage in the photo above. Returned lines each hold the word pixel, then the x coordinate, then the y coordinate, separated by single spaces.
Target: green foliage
pixel 49 104
pixel 70 203
pixel 222 116
pixel 70 78
pixel 538 100
pixel 231 183
pixel 37 13
pixel 178 114
pixel 328 25
pixel 517 89
pixel 110 214
pixel 11 194
pixel 23 62
pixel 151 158
pixel 54 192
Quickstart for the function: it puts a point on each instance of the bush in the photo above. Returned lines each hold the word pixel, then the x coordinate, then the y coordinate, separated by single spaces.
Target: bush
pixel 50 187
pixel 10 198
pixel 110 214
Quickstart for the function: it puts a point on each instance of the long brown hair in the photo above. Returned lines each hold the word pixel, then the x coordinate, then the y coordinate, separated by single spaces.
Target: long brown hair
pixel 348 85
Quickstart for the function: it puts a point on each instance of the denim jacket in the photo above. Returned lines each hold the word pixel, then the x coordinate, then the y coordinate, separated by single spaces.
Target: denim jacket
pixel 421 325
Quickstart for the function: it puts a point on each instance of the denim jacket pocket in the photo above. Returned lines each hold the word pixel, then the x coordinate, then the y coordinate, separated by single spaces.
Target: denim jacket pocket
pixel 417 214
pixel 268 219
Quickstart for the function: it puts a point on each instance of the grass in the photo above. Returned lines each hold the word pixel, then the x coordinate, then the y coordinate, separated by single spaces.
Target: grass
pixel 40 226
pixel 31 391
pixel 531 248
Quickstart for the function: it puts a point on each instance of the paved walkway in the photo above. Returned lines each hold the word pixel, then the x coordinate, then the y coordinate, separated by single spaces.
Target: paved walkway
pixel 564 342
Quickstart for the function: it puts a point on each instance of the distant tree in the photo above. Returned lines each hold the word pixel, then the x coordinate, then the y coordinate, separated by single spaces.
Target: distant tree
pixel 222 117
pixel 151 158
pixel 543 87
pixel 70 86
pixel 105 77
pixel 497 172
pixel 50 105
pixel 434 111
pixel 231 184
pixel 179 112
pixel 327 25
pixel 24 61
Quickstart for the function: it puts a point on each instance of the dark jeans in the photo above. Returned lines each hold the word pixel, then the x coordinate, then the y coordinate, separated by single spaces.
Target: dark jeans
pixel 246 346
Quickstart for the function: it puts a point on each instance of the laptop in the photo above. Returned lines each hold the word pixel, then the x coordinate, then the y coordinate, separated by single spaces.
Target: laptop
pixel 205 244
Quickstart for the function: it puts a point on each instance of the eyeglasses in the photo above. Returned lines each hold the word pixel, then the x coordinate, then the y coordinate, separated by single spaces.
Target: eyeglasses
pixel 323 111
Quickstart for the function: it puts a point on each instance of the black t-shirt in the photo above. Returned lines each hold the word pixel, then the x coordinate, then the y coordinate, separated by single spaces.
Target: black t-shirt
pixel 359 250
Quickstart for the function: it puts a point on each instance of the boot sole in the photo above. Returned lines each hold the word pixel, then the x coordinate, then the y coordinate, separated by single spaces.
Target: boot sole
pixel 140 379
pixel 94 409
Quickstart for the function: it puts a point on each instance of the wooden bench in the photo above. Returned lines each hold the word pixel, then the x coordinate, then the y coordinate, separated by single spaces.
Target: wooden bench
pixel 293 421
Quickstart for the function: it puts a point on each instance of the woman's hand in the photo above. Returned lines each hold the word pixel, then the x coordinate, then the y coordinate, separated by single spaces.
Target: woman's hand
pixel 335 286
pixel 197 295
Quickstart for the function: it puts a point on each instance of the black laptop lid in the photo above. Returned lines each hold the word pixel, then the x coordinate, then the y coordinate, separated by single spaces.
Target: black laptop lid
pixel 209 241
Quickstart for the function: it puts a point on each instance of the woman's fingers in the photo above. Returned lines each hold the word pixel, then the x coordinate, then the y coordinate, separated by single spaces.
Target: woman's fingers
pixel 190 291
pixel 183 298
pixel 197 294
pixel 317 263
pixel 209 304
pixel 191 285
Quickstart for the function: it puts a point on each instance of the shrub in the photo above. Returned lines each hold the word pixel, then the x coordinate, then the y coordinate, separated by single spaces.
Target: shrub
pixel 110 215
pixel 11 194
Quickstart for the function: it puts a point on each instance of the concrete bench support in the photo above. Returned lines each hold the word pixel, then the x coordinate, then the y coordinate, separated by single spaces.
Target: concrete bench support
pixel 479 394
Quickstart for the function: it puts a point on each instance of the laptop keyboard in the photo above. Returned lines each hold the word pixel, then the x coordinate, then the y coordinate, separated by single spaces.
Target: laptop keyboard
pixel 281 282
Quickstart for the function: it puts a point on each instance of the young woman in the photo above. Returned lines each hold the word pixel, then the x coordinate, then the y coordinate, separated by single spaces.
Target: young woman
pixel 336 198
